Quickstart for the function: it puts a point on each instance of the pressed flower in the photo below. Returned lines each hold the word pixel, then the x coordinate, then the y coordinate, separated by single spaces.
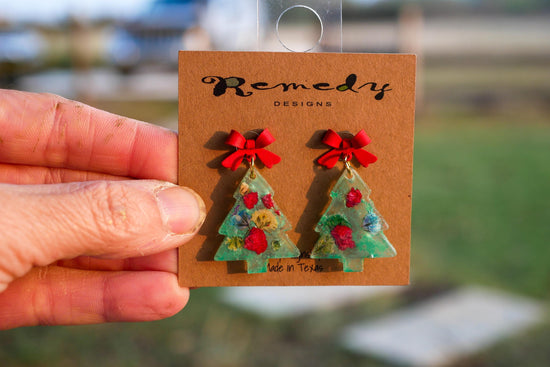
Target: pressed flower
pixel 343 237
pixel 324 245
pixel 353 197
pixel 235 243
pixel 256 241
pixel 267 200
pixel 250 199
pixel 335 220
pixel 244 188
pixel 264 219
pixel 241 220
pixel 276 245
pixel 371 223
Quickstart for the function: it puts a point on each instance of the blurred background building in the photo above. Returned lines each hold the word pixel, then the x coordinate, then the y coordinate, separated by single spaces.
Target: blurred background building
pixel 481 203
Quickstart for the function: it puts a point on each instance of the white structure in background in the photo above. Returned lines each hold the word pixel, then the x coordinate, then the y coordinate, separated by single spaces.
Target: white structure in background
pixel 231 24
pixel 439 331
pixel 276 302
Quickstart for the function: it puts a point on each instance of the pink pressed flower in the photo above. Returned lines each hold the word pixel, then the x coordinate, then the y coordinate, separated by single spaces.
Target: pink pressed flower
pixel 353 197
pixel 343 237
pixel 267 200
pixel 250 199
pixel 256 241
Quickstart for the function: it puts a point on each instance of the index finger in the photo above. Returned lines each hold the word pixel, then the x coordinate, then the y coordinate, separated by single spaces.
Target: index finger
pixel 51 131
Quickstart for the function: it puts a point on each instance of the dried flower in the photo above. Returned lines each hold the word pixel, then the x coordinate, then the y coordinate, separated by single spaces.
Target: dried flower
pixel 276 245
pixel 353 197
pixel 241 220
pixel 235 243
pixel 250 199
pixel 371 223
pixel 256 241
pixel 325 245
pixel 343 237
pixel 264 219
pixel 335 220
pixel 244 188
pixel 267 200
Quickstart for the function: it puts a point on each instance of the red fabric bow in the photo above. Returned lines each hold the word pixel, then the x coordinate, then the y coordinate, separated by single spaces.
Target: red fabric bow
pixel 346 148
pixel 249 149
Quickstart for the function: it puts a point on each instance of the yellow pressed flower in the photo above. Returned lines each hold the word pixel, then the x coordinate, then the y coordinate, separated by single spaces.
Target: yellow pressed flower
pixel 325 246
pixel 235 243
pixel 265 219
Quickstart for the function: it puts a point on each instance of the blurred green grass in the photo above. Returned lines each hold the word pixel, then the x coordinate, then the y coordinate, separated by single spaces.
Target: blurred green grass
pixel 481 203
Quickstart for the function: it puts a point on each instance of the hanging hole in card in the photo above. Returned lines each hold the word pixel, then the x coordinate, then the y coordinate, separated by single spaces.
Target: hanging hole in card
pixel 300 25
pixel 285 30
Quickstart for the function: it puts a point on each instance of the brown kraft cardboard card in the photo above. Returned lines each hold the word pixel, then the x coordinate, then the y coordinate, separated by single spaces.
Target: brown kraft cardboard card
pixel 298 97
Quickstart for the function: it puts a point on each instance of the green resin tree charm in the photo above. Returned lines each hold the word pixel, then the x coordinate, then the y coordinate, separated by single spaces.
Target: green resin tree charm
pixel 351 229
pixel 255 227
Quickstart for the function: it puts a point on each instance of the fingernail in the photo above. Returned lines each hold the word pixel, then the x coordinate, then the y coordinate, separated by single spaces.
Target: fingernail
pixel 183 209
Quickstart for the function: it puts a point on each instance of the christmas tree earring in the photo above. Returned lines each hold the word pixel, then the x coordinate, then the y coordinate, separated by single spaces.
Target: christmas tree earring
pixel 351 229
pixel 255 227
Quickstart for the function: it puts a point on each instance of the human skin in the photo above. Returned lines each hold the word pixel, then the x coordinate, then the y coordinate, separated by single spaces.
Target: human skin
pixel 90 216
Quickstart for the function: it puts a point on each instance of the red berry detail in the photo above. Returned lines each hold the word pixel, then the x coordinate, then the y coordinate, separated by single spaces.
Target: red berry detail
pixel 343 237
pixel 250 199
pixel 353 197
pixel 267 200
pixel 256 241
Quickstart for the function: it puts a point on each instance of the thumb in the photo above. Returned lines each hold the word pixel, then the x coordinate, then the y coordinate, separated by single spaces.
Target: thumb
pixel 113 219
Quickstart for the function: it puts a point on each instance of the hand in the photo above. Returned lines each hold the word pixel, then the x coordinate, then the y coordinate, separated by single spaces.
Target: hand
pixel 80 241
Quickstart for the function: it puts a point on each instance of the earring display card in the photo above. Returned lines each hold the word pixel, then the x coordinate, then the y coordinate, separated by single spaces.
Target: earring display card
pixel 298 97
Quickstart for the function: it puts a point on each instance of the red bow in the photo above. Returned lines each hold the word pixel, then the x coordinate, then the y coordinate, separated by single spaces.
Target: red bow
pixel 249 149
pixel 346 148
